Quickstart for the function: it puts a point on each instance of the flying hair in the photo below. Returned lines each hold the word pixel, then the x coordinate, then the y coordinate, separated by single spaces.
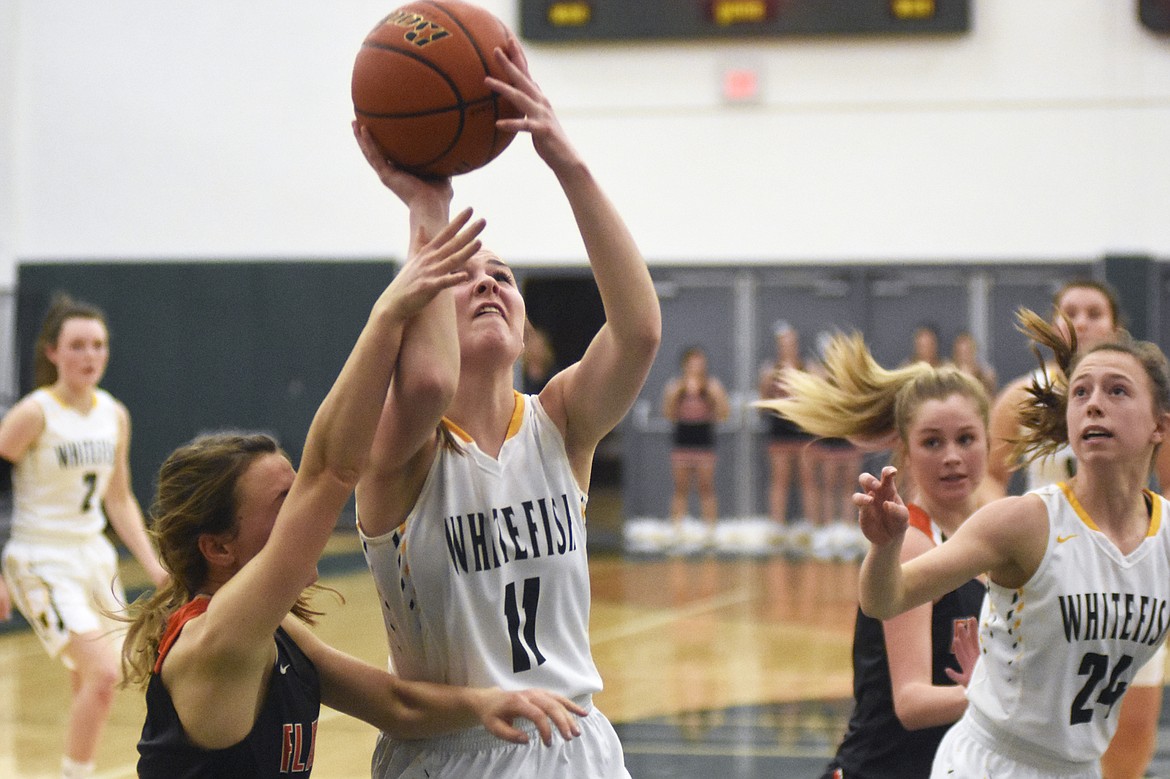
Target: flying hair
pixel 1042 412
pixel 856 398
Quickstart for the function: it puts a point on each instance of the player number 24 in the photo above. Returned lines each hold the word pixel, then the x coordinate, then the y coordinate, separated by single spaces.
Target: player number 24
pixel 1096 667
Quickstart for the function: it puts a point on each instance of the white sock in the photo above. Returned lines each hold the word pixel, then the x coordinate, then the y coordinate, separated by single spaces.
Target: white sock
pixel 71 769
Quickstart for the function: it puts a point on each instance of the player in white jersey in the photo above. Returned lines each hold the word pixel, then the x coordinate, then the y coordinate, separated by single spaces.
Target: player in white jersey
pixel 67 444
pixel 1079 573
pixel 1092 310
pixel 472 508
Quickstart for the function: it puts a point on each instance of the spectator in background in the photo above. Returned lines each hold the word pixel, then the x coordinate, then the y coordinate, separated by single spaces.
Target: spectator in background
pixel 694 401
pixel 788 444
pixel 965 357
pixel 926 345
pixel 537 361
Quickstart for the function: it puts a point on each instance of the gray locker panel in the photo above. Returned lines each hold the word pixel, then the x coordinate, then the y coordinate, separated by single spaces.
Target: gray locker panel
pixel 698 308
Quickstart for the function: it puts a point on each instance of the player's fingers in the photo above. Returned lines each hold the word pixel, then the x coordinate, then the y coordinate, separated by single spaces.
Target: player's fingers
pixel 505 730
pixel 538 717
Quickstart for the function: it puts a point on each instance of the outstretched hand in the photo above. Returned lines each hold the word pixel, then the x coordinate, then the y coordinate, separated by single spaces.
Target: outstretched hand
pixel 538 120
pixel 545 709
pixel 436 263
pixel 965 648
pixel 881 513
pixel 415 192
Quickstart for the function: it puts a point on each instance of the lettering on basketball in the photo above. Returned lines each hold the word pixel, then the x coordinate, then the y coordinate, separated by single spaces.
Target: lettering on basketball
pixel 1114 616
pixel 297 748
pixel 419 30
pixel 486 540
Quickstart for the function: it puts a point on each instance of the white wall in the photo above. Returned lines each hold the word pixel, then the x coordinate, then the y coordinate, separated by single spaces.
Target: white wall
pixel 220 129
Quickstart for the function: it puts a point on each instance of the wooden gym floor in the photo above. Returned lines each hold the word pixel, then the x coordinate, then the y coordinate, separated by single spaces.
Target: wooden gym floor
pixel 712 667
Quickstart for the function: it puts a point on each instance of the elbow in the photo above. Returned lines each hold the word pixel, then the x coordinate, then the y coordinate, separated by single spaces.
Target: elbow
pixel 875 609
pixel 645 339
pixel 430 390
pixel 910 717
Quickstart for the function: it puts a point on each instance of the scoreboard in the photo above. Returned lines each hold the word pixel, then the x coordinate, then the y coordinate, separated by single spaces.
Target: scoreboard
pixel 637 20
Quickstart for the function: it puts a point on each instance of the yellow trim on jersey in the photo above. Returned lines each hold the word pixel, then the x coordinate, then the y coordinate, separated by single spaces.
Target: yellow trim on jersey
pixel 513 423
pixel 65 404
pixel 1155 513
pixel 457 430
pixel 1076 506
pixel 517 416
pixel 1155 510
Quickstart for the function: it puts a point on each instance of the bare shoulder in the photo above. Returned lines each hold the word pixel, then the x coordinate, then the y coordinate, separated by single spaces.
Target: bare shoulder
pixel 1014 530
pixel 26 409
pixel 20 427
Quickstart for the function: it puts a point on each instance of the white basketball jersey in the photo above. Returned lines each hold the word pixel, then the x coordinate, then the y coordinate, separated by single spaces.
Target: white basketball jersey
pixel 1059 651
pixel 57 486
pixel 486 583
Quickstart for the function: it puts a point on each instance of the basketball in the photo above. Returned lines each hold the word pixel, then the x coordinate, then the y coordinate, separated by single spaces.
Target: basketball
pixel 418 87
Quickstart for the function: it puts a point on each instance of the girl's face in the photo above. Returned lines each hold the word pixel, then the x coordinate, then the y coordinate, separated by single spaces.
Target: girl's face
pixel 260 492
pixel 946 450
pixel 695 364
pixel 81 352
pixel 489 308
pixel 926 346
pixel 788 346
pixel 1111 408
pixel 963 350
pixel 1091 317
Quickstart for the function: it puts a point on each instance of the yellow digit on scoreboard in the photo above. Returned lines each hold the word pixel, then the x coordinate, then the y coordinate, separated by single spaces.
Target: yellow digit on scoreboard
pixel 569 13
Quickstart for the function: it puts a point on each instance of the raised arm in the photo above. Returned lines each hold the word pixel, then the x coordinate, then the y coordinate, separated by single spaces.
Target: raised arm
pixel 426 374
pixel 1005 539
pixel 589 398
pixel 249 607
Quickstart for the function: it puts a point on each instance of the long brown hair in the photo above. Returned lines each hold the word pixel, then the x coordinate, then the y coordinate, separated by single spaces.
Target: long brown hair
pixel 1043 413
pixel 196 495
pixel 61 308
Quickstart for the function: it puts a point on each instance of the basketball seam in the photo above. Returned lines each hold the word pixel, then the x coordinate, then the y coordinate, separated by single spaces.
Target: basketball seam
pixel 460 103
pixel 460 106
pixel 483 64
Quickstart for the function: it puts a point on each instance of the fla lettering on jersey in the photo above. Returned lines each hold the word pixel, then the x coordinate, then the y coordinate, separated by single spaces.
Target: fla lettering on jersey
pixel 296 755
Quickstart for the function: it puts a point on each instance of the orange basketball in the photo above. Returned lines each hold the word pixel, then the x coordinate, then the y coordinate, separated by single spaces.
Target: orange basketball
pixel 418 87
